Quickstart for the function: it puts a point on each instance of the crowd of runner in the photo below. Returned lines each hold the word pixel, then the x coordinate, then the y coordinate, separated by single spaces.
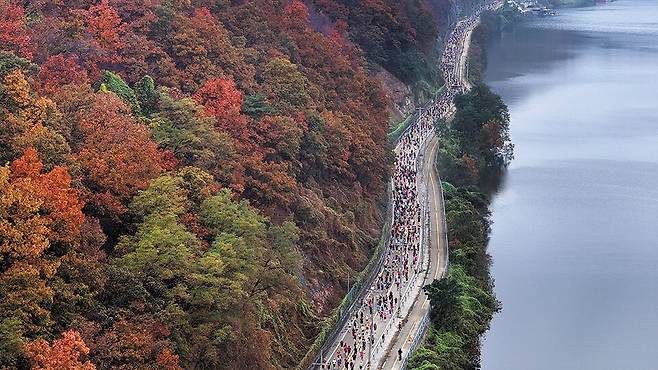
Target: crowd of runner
pixel 367 329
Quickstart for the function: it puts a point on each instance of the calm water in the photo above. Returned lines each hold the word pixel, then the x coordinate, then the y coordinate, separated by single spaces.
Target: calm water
pixel 575 234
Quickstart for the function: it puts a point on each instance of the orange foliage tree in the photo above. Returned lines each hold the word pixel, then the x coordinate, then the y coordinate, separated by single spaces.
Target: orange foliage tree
pixel 64 353
pixel 117 157
pixel 23 119
pixel 40 219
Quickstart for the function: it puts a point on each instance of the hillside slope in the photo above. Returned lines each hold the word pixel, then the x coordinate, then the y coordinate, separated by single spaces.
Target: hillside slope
pixel 190 183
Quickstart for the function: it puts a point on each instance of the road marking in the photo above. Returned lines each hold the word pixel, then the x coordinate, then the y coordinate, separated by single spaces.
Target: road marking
pixel 436 219
pixel 459 70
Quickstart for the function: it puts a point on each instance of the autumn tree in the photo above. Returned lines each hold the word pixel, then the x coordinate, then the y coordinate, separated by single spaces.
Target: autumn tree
pixel 64 353
pixel 60 70
pixel 220 98
pixel 134 341
pixel 24 120
pixel 117 157
pixel 104 24
pixel 182 127
pixel 40 219
pixel 14 33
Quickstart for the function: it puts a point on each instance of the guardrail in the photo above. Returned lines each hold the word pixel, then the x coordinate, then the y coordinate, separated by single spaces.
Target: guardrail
pixel 424 325
pixel 334 324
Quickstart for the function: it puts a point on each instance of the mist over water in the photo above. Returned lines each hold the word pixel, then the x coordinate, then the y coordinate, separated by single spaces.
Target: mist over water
pixel 575 235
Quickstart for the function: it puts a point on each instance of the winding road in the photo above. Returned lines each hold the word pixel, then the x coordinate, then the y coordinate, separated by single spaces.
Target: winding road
pixel 387 342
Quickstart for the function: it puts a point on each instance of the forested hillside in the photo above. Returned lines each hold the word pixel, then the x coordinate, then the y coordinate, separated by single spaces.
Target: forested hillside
pixel 187 184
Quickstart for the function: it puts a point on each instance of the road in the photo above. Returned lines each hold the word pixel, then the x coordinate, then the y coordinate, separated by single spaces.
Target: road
pixel 437 266
pixel 385 326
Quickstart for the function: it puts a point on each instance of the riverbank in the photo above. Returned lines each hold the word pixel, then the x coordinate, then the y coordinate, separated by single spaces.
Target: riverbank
pixel 474 151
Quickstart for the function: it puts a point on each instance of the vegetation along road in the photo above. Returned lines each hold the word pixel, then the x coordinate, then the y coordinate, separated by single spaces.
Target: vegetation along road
pixel 385 326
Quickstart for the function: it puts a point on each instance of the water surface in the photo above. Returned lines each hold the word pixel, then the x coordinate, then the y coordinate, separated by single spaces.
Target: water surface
pixel 575 235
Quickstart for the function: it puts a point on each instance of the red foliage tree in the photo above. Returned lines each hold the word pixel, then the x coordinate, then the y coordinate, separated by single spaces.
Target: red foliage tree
pixel 296 13
pixel 117 157
pixel 104 24
pixel 60 70
pixel 64 353
pixel 139 343
pixel 14 34
pixel 220 98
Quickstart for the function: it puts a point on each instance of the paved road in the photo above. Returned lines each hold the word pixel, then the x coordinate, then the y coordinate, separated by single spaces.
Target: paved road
pixel 456 73
pixel 438 257
pixel 372 338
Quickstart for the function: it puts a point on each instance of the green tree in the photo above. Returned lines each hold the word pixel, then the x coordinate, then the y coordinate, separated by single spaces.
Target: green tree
pixel 147 95
pixel 114 83
pixel 287 87
pixel 256 106
pixel 263 252
pixel 10 61
pixel 205 289
pixel 181 126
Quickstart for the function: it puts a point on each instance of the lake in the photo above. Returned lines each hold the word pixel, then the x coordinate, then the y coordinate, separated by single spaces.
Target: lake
pixel 574 239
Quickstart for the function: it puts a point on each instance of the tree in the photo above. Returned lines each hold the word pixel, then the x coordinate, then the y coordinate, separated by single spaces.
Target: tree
pixel 64 353
pixel 40 219
pixel 104 24
pixel 220 99
pixel 9 62
pixel 23 119
pixel 12 339
pixel 221 48
pixel 117 157
pixel 60 70
pixel 147 96
pixel 242 236
pixel 444 297
pixel 133 342
pixel 114 83
pixel 14 34
pixel 182 127
pixel 282 135
pixel 296 16
pixel 171 263
pixel 205 290
pixel 287 88
pixel 256 106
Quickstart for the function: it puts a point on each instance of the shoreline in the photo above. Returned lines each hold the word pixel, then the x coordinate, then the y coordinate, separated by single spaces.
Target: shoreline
pixel 469 276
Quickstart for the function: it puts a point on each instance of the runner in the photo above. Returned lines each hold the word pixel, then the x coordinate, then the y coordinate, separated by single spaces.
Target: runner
pixel 376 317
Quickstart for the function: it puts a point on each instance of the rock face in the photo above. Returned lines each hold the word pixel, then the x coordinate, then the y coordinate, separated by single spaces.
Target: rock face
pixel 398 93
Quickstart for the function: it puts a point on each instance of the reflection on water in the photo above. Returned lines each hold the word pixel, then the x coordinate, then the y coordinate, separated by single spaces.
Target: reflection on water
pixel 575 234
